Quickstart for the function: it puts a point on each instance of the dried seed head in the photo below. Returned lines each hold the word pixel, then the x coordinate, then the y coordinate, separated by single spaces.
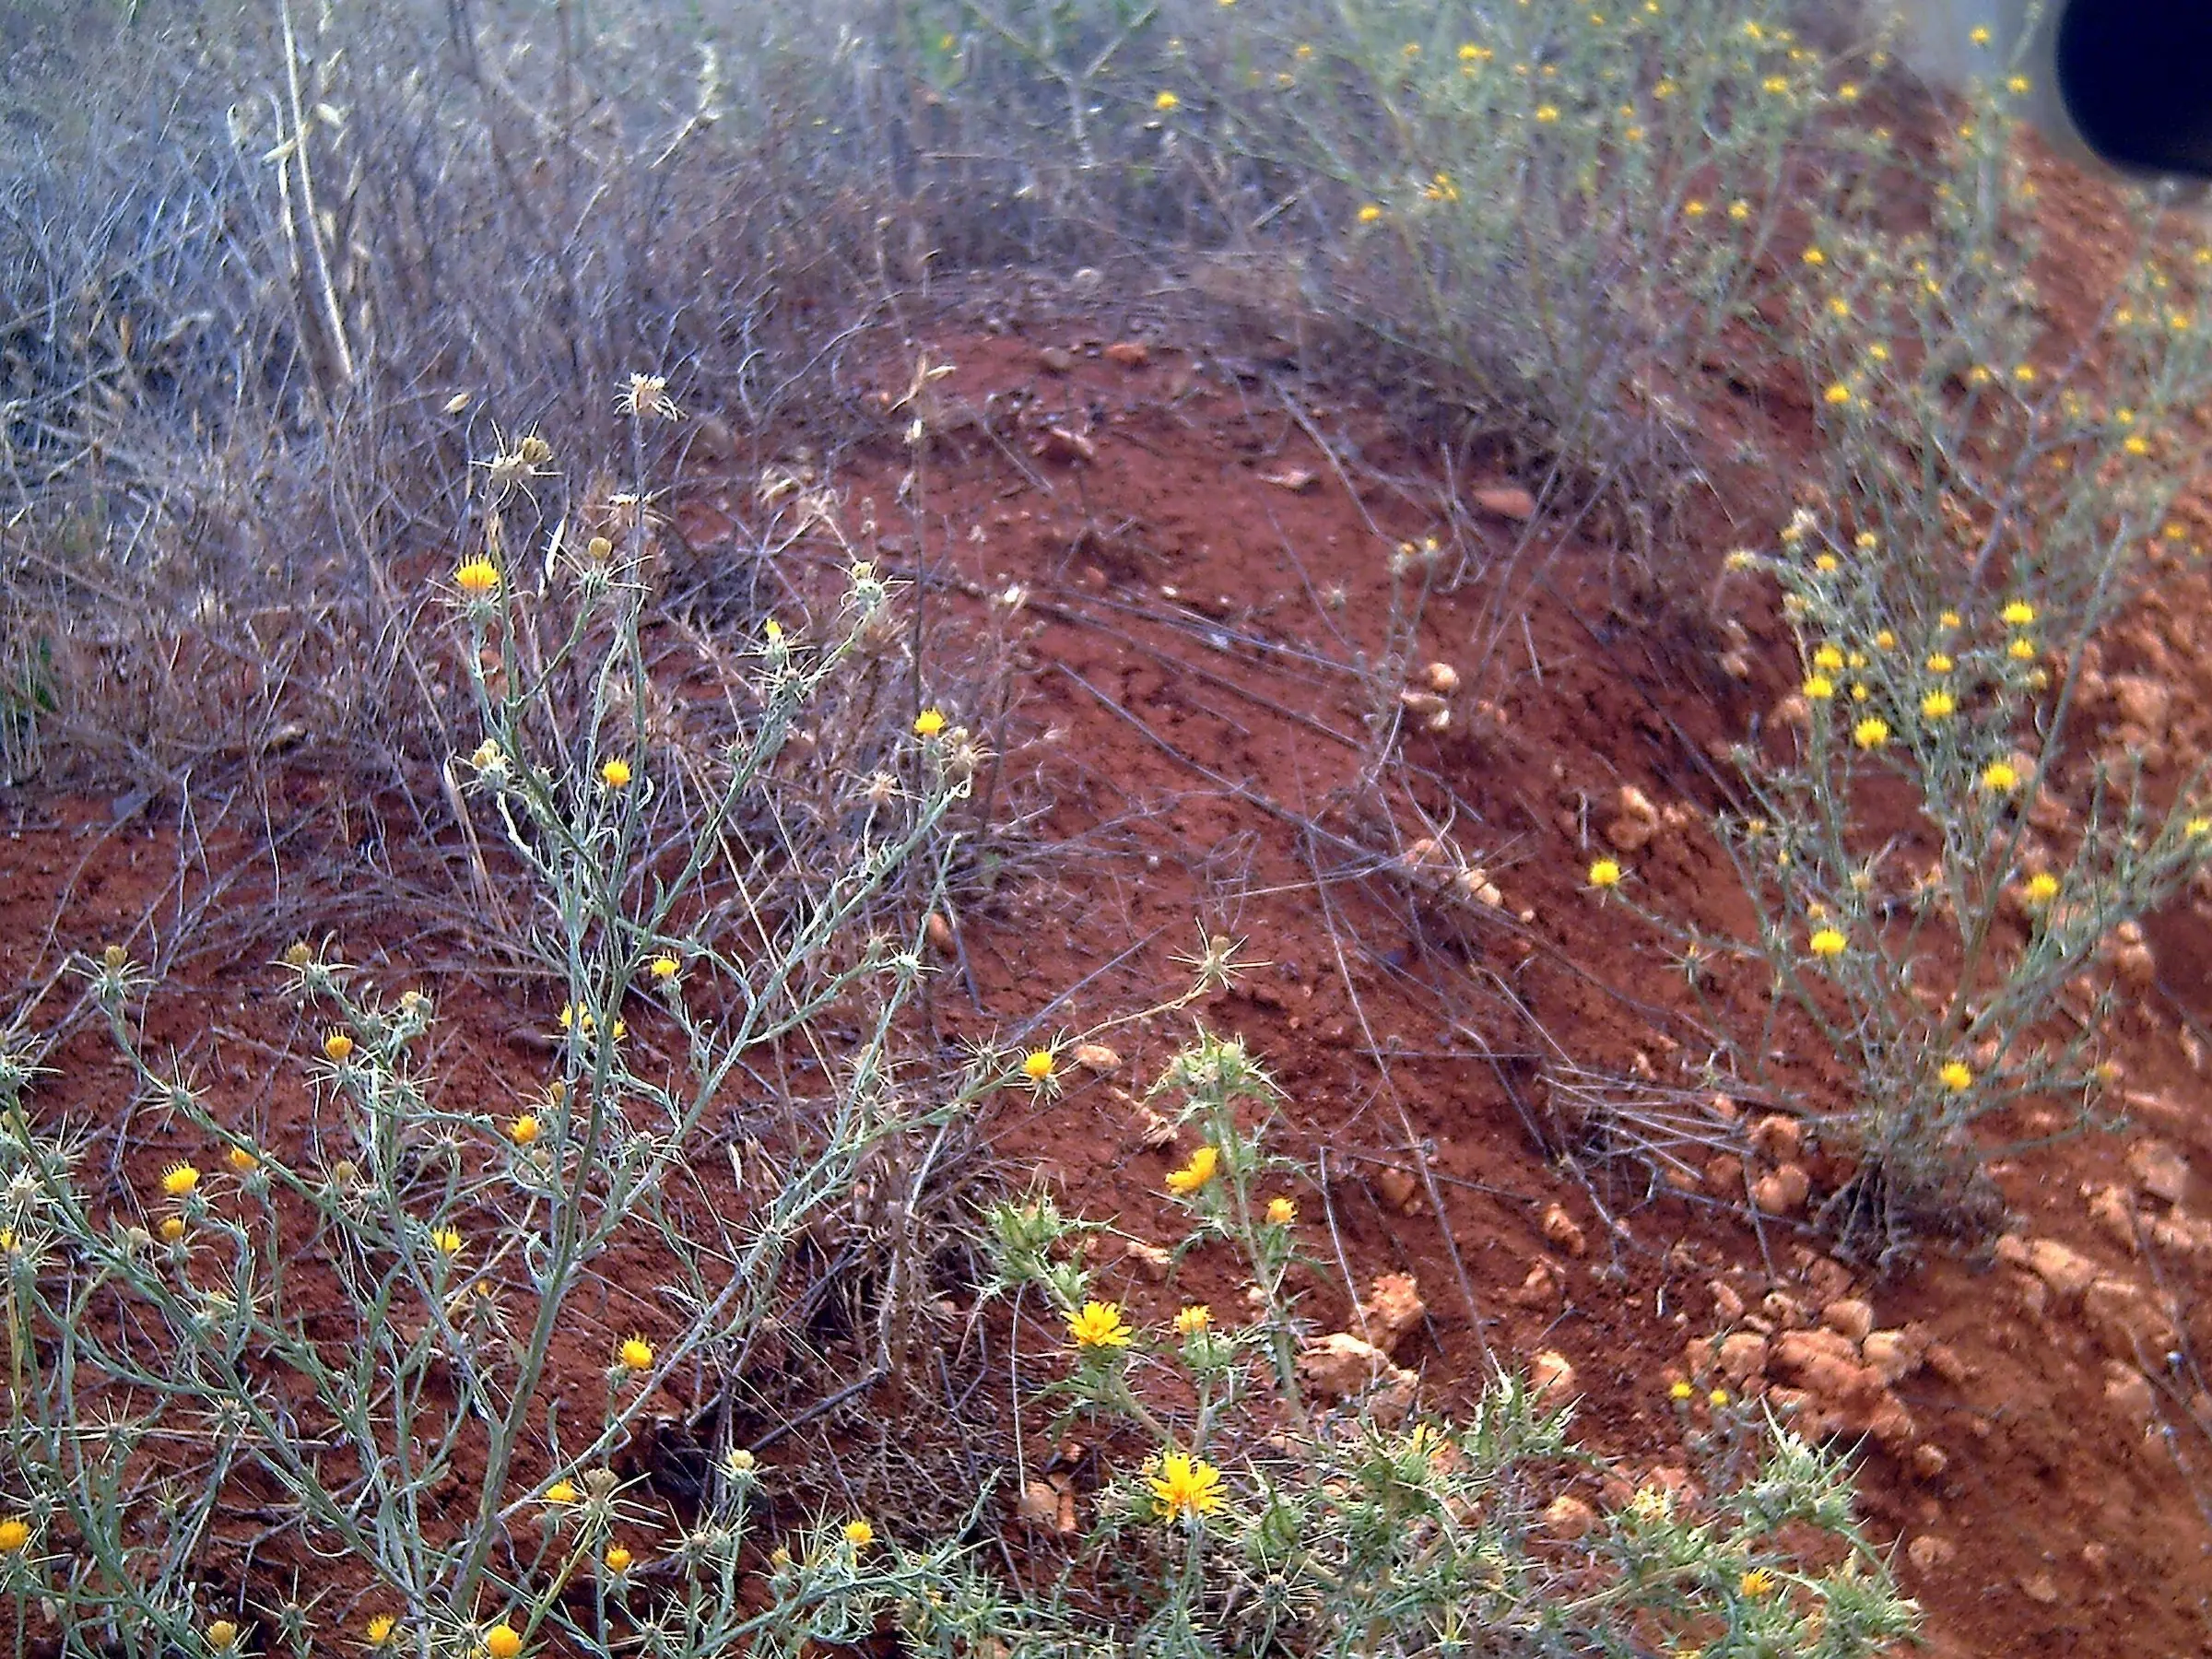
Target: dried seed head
pixel 645 397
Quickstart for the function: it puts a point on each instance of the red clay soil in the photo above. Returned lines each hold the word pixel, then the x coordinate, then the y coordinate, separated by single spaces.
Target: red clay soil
pixel 1195 581
pixel 1199 584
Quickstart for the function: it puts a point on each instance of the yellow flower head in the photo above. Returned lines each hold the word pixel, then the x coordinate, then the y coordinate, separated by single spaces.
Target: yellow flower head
pixel 1193 1319
pixel 2000 777
pixel 1185 1485
pixel 1281 1211
pixel 1935 705
pixel 15 1532
pixel 662 968
pixel 171 1229
pixel 1759 1583
pixel 2043 886
pixel 1546 114
pixel 1819 687
pixel 2021 649
pixel 1885 640
pixel 179 1180
pixel 1680 1390
pixel 1717 1398
pixel 1948 618
pixel 1165 101
pixel 1827 659
pixel 1940 664
pixel 241 1160
pixel 1370 213
pixel 1837 394
pixel 859 1534
pixel 502 1640
pixel 1099 1325
pixel 1037 1064
pixel 2198 826
pixel 1870 733
pixel 524 1130
pixel 479 578
pixel 635 1354
pixel 1828 942
pixel 447 1240
pixel 337 1048
pixel 222 1635
pixel 1605 873
pixel 379 1628
pixel 2019 613
pixel 929 722
pixel 1195 1173
pixel 617 1559
pixel 615 773
pixel 561 1491
pixel 1958 1077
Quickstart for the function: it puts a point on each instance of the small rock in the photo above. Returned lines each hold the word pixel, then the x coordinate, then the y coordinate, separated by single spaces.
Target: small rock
pixel 1783 1192
pixel 1151 1260
pixel 1929 1552
pixel 2041 1589
pixel 1635 821
pixel 2143 702
pixel 1849 1317
pixel 1891 1425
pixel 1398 1189
pixel 1097 1058
pixel 1341 1365
pixel 1826 1278
pixel 937 933
pixel 1443 679
pixel 2122 1317
pixel 1927 1460
pixel 2184 1235
pixel 1393 1308
pixel 1568 1518
pixel 1743 1357
pixel 1725 1175
pixel 1129 353
pixel 1065 446
pixel 1506 501
pixel 2066 1271
pixel 2115 1213
pixel 2096 1558
pixel 1541 1289
pixel 2134 963
pixel 1893 1354
pixel 1563 1231
pixel 1551 1375
pixel 1039 1505
pixel 2128 1392
pixel 1055 360
pixel 1945 1361
pixel 2159 1170
pixel 1783 1309
pixel 1727 1302
pixel 1298 480
pixel 1777 1137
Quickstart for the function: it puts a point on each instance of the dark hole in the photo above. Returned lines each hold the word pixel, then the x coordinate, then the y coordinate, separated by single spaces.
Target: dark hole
pixel 2136 78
